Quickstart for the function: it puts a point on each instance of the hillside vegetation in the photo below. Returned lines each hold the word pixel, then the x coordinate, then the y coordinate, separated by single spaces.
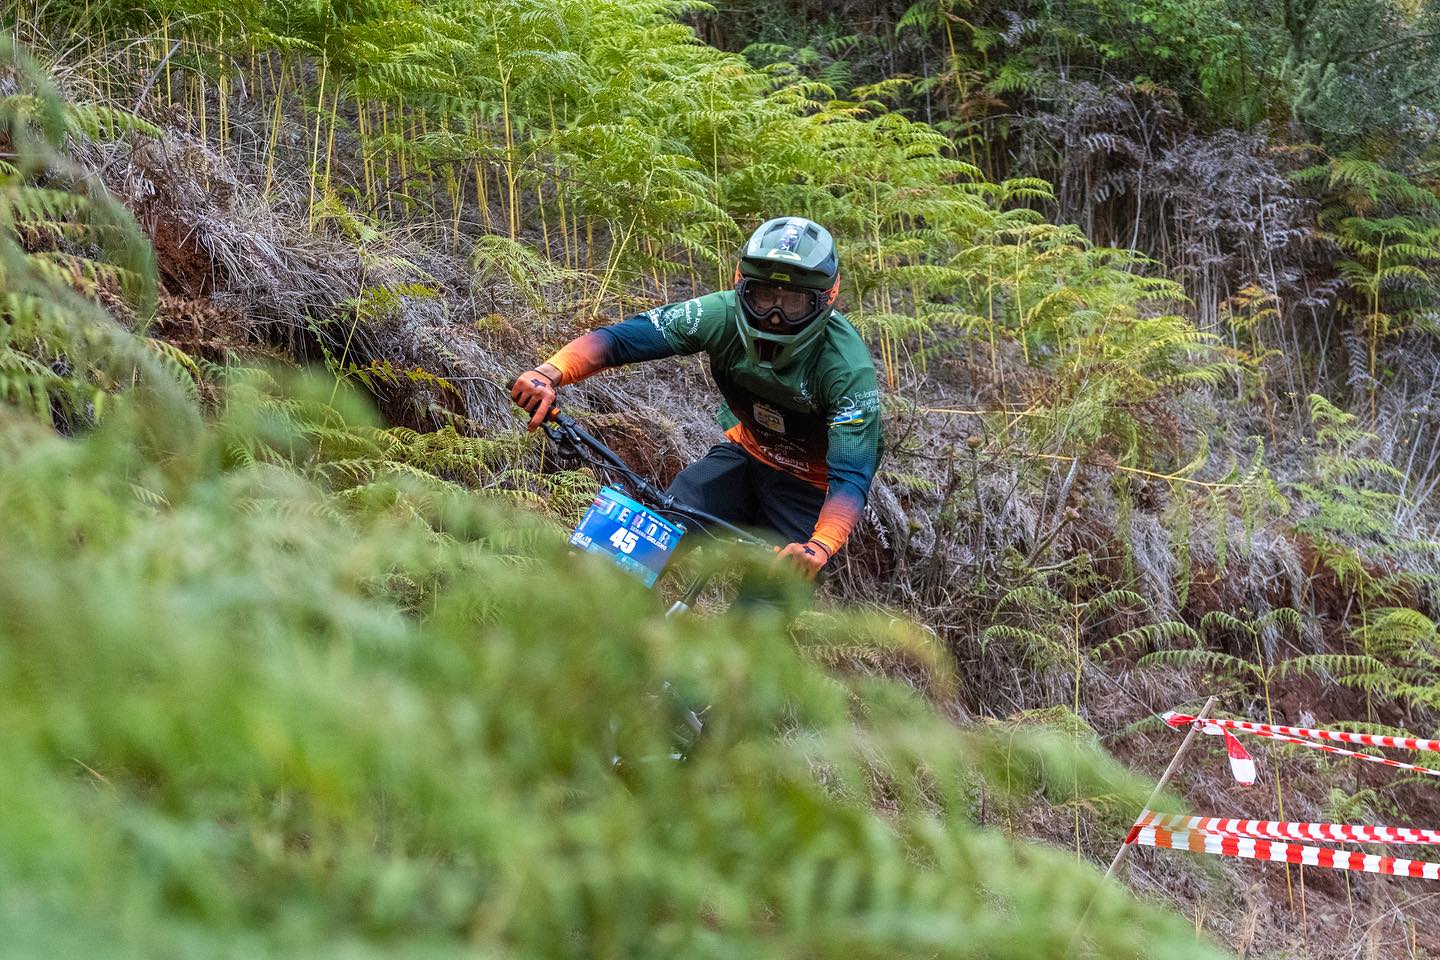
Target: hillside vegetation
pixel 298 661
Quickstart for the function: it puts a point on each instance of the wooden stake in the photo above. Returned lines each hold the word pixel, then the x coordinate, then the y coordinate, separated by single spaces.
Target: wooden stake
pixel 1124 850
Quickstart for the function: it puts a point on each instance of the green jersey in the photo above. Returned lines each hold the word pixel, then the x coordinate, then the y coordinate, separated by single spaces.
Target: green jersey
pixel 818 418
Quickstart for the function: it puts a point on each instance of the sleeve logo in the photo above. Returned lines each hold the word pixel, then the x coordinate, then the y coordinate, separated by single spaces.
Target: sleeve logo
pixel 852 410
pixel 681 317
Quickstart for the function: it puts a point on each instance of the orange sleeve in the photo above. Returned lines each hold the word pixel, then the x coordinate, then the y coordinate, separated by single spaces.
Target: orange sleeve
pixel 632 340
pixel 581 357
pixel 838 516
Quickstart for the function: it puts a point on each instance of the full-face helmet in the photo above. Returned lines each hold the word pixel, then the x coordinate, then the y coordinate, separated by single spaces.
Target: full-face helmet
pixel 786 283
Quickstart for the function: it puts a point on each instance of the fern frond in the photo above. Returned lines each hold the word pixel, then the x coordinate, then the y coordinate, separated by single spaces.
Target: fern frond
pixel 1150 634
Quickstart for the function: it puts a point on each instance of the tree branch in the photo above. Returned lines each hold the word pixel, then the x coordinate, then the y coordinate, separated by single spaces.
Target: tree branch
pixel 1391 43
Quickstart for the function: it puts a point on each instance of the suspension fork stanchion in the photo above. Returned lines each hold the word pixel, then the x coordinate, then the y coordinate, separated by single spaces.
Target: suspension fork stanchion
pixel 688 598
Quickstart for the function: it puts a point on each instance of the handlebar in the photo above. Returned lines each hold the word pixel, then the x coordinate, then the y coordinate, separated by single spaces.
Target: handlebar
pixel 565 431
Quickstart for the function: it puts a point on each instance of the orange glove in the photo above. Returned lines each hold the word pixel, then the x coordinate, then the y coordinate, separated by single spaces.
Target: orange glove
pixel 807 557
pixel 535 392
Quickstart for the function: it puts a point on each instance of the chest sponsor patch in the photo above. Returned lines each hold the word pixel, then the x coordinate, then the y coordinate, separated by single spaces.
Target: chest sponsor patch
pixel 769 417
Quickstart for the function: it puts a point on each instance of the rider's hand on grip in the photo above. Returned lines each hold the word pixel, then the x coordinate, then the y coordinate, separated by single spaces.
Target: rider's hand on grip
pixel 807 557
pixel 535 392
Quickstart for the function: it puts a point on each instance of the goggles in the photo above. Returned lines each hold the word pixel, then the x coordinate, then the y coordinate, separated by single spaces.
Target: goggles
pixel 776 309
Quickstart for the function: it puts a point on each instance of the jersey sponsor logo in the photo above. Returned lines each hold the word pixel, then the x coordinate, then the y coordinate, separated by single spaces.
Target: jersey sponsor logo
pixel 769 417
pixel 852 409
pixel 866 400
pixel 682 317
pixel 785 458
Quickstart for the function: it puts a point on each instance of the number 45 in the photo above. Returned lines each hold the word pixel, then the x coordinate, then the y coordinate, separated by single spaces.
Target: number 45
pixel 624 541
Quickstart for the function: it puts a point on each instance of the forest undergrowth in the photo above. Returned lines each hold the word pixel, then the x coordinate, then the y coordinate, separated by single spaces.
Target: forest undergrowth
pixel 1119 478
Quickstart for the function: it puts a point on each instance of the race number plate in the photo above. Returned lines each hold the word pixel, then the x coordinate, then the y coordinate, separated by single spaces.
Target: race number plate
pixel 635 538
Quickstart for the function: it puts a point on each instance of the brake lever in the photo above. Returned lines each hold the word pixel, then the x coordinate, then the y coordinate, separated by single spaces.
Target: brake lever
pixel 564 440
pixel 559 427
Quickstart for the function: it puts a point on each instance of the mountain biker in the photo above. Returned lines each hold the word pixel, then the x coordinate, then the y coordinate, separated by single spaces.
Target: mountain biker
pixel 801 409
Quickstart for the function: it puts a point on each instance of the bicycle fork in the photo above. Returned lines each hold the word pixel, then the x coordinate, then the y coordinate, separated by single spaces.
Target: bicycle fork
pixel 693 718
pixel 688 598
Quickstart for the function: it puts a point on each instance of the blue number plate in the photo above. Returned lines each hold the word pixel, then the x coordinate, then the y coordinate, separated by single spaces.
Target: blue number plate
pixel 635 538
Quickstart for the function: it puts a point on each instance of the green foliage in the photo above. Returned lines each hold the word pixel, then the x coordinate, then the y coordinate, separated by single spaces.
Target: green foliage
pixel 306 433
pixel 241 689
pixel 876 643
pixel 64 243
pixel 1106 337
pixel 1353 495
pixel 1401 661
pixel 1051 631
pixel 1352 524
pixel 1387 230
pixel 1353 70
pixel 1255 636
pixel 643 155
pixel 540 282
pixel 1345 70
pixel 1213 52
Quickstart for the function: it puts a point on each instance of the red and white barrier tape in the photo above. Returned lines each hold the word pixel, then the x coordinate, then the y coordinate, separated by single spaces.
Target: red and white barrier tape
pixel 1252 839
pixel 1286 830
pixel 1255 849
pixel 1242 767
pixel 1338 736
pixel 1298 735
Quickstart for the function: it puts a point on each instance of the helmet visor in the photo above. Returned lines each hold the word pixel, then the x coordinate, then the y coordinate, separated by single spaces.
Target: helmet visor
pixel 775 308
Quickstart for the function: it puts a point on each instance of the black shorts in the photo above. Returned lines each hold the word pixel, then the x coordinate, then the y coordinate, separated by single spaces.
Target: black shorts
pixel 734 486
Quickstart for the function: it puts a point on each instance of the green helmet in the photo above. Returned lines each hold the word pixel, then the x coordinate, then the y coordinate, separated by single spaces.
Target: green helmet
pixel 786 284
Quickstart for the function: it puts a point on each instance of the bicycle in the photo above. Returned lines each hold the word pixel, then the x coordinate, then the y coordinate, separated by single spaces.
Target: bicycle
pixel 634 531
